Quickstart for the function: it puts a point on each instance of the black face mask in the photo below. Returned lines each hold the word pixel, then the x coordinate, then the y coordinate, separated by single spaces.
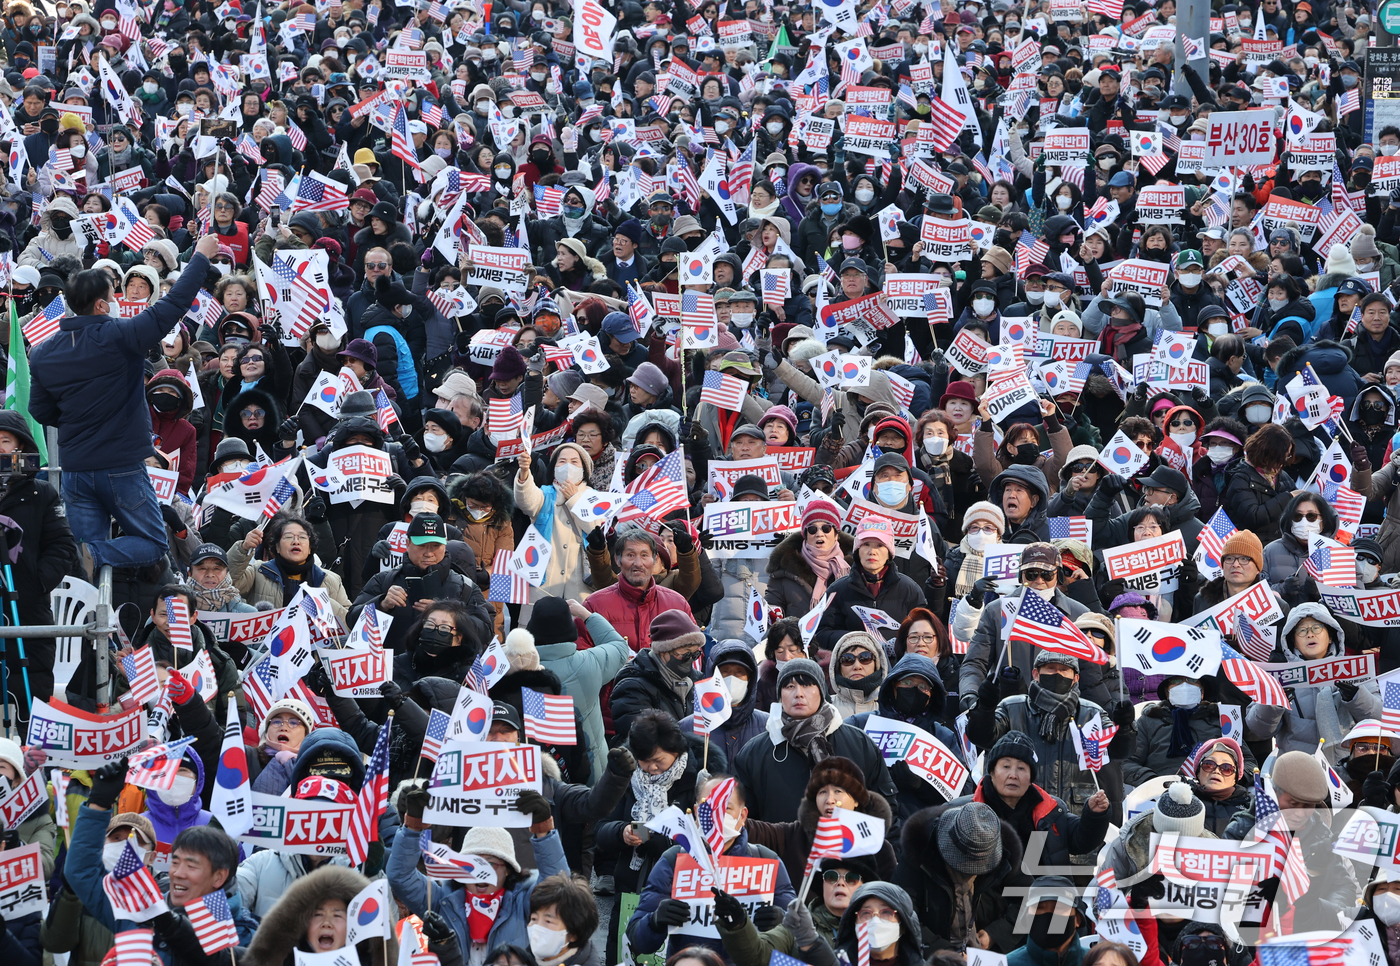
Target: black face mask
pixel 49 125
pixel 1155 255
pixel 1196 951
pixel 542 160
pixel 1026 454
pixel 1373 414
pixel 1043 922
pixel 163 402
pixel 62 225
pixel 1359 768
pixel 682 669
pixel 1311 190
pixel 1361 179
pixel 433 641
pixel 1056 684
pixel 910 701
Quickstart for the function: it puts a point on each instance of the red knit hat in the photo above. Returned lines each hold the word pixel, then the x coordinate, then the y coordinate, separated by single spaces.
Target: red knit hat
pixel 821 511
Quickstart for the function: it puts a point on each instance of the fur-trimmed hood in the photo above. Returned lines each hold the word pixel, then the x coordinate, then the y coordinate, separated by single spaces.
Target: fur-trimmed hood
pixel 284 927
pixel 786 560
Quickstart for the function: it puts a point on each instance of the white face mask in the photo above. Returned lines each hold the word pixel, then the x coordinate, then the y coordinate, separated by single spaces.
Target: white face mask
pixel 774 127
pixel 435 442
pixel 1035 298
pixel 883 934
pixel 1184 695
pixel 478 514
pixel 1368 572
pixel 742 319
pixel 184 108
pixel 1063 202
pixel 983 307
pixel 1180 119
pixel 1106 164
pixel 1389 149
pixel 222 269
pixel 1052 300
pixel 1190 279
pixel 1386 906
pixel 1046 593
pixel 546 943
pixel 180 793
pixel 1183 440
pixel 935 445
pixel 1311 62
pixel 503 172
pixel 568 473
pixel 979 541
pixel 738 687
pixel 416 507
pixel 1304 529
pixel 327 342
pixel 112 851
pixel 1258 413
pixel 537 75
pixel 1220 454
pixel 864 195
pixel 721 127
pixel 731 827
pixel 1217 328
pixel 78 150
pixel 150 87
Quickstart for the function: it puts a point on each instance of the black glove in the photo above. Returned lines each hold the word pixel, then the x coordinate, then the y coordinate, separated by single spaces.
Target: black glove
pixel 410 448
pixel 621 762
pixel 767 916
pixel 1124 714
pixel 1347 690
pixel 1150 888
pixel 414 799
pixel 594 540
pixel 707 540
pixel 1375 790
pixel 729 912
pixel 1200 395
pixel 989 694
pixel 939 360
pixel 107 783
pixel 838 420
pixel 173 521
pixel 436 928
pixel 393 695
pixel 1012 681
pixel 318 681
pixel 535 805
pixel 316 509
pixel 685 429
pixel 684 542
pixel 671 912
pixel 1360 459
pixel 395 482
pixel 978 593
pixel 1140 392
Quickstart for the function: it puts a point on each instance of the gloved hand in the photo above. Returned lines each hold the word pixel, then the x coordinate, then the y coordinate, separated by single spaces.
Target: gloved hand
pixel 414 799
pixel 685 543
pixel 173 521
pixel 393 695
pixel 1360 459
pixel 1199 395
pixel 767 916
pixel 621 762
pixel 838 420
pixel 181 690
pixel 1124 714
pixel 594 540
pixel 989 693
pixel 34 757
pixel 966 702
pixel 707 540
pixel 288 429
pixel 410 448
pixel 316 509
pixel 436 928
pixel 395 482
pixel 318 680
pixel 535 805
pixel 978 593
pixel 1375 790
pixel 1112 483
pixel 1347 690
pixel 1012 681
pixel 798 919
pixel 730 912
pixel 107 783
pixel 1150 888
pixel 672 912
pixel 939 360
pixel 1140 392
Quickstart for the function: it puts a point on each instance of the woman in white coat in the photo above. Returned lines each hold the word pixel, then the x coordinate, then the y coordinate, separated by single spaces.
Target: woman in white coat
pixel 550 510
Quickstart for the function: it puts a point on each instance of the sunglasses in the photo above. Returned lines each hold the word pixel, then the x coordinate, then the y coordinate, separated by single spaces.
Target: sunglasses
pixel 817 528
pixel 1038 574
pixel 849 659
pixel 1312 516
pixel 1083 467
pixel 841 875
pixel 253 413
pixel 1225 768
pixel 248 359
pixel 376 264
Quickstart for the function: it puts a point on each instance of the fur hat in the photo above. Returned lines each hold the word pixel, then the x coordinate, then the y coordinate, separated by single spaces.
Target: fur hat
pixel 841 772
pixel 672 630
pixel 805 351
pixel 1245 544
pixel 1180 811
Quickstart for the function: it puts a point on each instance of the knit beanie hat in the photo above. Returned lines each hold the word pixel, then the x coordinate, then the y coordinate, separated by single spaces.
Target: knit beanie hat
pixel 969 838
pixel 841 772
pixel 550 623
pixel 298 708
pixel 800 666
pixel 1300 775
pixel 1244 543
pixel 672 630
pixel 984 512
pixel 1179 811
pixel 820 510
pixel 1013 744
pixel 493 843
pixel 1339 261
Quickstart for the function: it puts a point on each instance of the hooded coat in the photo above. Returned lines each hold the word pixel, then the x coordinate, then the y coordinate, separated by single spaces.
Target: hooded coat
pixel 1334 365
pixel 1152 757
pixel 263 581
pixel 48 245
pixel 266 435
pixel 1253 503
pixel 177 436
pixel 745 719
pixel 856 697
pixel 1035 527
pixel 1285 558
pixel 283 928
pixel 593 232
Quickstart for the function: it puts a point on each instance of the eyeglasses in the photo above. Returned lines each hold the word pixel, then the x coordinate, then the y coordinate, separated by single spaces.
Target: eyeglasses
pixel 1225 768
pixel 449 628
pixel 376 264
pixel 253 413
pixel 225 206
pixel 817 528
pixel 888 915
pixel 923 689
pixel 921 638
pixel 1310 628
pixel 841 875
pixel 1153 527
pixel 285 721
pixel 1037 574
pixel 983 529
pixel 852 658
pixel 1312 516
pixel 1236 560
pixel 587 437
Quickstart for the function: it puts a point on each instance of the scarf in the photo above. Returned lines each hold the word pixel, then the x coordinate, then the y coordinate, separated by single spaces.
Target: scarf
pixel 961 928
pixel 808 735
pixel 217 598
pixel 1056 710
pixel 971 570
pixel 1182 740
pixel 756 211
pixel 678 683
pixel 830 565
pixel 875 581
pixel 481 914
pixel 1117 337
pixel 652 791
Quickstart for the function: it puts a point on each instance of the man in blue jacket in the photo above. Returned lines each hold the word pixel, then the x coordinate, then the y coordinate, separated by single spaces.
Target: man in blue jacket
pixel 88 379
pixel 656 911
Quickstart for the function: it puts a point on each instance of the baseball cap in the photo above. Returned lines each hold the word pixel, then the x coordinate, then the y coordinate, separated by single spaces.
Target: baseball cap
pixel 427 528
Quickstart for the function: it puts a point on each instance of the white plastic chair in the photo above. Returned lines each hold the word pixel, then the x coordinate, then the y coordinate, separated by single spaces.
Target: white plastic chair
pixel 74 602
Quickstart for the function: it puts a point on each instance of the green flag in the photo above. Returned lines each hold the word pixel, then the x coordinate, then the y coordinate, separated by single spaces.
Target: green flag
pixel 780 41
pixel 17 382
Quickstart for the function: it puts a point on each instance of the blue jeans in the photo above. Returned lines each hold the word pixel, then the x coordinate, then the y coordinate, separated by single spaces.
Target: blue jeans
pixel 94 499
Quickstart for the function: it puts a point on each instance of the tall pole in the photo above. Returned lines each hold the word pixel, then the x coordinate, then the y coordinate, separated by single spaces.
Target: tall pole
pixel 1192 20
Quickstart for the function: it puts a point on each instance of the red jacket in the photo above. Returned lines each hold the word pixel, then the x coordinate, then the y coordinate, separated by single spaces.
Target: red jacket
pixel 630 611
pixel 176 435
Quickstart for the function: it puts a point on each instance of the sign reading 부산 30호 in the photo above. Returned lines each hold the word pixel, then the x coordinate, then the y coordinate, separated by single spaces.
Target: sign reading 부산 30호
pixel 749 529
pixel 751 881
pixel 299 826
pixel 478 782
pixel 925 755
pixel 1239 138
pixel 79 739
pixel 1375 608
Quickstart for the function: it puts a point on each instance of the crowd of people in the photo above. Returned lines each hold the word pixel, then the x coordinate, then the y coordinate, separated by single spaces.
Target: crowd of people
pixel 901 424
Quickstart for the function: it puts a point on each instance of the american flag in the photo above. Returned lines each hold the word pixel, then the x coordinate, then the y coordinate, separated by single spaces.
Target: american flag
pixel 1351 101
pixel 590 114
pixel 62 160
pixel 442 863
pixel 177 613
pixel 697 308
pixel 928 25
pixel 260 687
pixel 1213 536
pixel 1069 528
pixel 980 163
pixel 1255 646
pixel 777 287
pixel 724 392
pixel 437 11
pixel 271 188
pixel 522 57
pixel 1107 882
pixel 507 586
pixel 1043 624
pixel 297 136
pixel 319 193
pixel 1390 703
pixel 213 922
pixel 45 324
pixel 134 947
pixel 658 491
pixel 640 310
pixel 548 200
pixel 548 718
pixel 506 416
pixel 436 733
pixel 313 301
pixel 947 123
pixel 129 28
pixel 249 149
pixel 130 887
pixel 1346 501
pixel 280 494
pixel 303 21
pixel 1074 176
pixel 1278 953
pixel 433 115
pixel 1340 198
pixel 1030 251
pixel 384 413
pixel 1112 9
pixel 660 103
pixel 156 767
pixel 372 799
pixel 140 669
pixel 400 144
pixel 710 814
pixel 1354 321
pixel 1269 827
pixel 741 169
pixel 477 677
pixel 850 76
pixel 1217 212
pixel 1334 566
pixel 1096 745
pixel 1253 680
